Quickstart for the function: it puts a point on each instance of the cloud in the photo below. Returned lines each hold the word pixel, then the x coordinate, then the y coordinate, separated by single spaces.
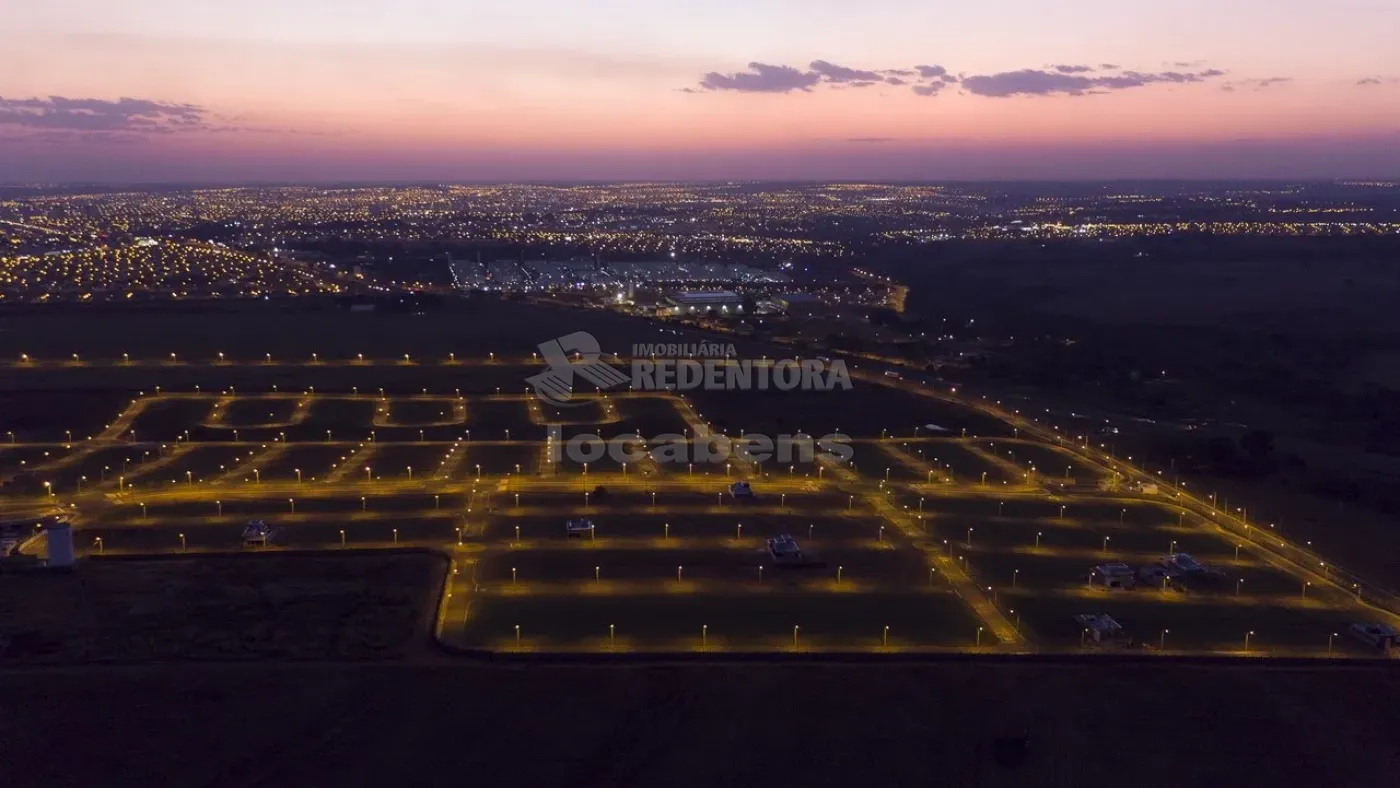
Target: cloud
pixel 1067 79
pixel 1109 66
pixel 1257 84
pixel 762 78
pixel 1026 82
pixel 130 115
pixel 835 73
pixel 1373 81
pixel 870 140
pixel 1035 82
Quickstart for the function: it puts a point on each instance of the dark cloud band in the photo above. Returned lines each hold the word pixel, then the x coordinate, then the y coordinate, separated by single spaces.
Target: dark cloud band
pixel 930 80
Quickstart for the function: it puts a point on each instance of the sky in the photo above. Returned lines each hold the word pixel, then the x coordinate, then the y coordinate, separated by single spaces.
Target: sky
pixel 462 90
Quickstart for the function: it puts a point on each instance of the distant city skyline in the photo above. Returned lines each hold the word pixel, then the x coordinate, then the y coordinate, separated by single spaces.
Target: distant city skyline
pixel 431 90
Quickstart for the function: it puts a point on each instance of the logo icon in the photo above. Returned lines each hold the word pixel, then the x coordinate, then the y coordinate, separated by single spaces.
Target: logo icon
pixel 556 384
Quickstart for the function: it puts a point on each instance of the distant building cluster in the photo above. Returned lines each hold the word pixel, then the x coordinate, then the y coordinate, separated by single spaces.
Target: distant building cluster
pixel 552 275
pixel 149 269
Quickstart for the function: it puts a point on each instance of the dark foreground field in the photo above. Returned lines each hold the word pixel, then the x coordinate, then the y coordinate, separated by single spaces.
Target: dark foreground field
pixel 480 725
pixel 369 605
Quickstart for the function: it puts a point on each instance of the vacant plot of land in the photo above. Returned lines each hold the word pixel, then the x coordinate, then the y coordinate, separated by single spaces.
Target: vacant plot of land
pixel 402 462
pixel 344 418
pixel 201 463
pixel 651 416
pixel 1191 622
pixel 313 461
pixel 308 531
pixel 861 565
pixel 50 415
pixel 419 413
pixel 168 419
pixel 584 411
pixel 1051 464
pixel 757 621
pixel 355 607
pixel 688 526
pixel 29 459
pixel 496 461
pixel 90 469
pixel 490 419
pixel 257 412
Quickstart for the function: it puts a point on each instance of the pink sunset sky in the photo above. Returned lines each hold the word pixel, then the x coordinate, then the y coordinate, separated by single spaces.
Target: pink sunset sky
pixel 277 90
